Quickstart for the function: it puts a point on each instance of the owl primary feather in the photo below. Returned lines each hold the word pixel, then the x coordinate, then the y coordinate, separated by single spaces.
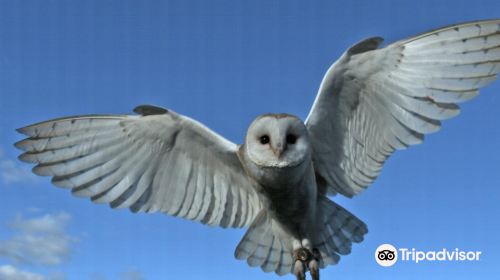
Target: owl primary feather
pixel 371 102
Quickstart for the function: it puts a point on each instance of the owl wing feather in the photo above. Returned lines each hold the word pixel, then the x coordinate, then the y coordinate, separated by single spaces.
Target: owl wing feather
pixel 156 161
pixel 373 101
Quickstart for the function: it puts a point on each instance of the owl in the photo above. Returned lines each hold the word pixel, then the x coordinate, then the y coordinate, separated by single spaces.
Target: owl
pixel 371 102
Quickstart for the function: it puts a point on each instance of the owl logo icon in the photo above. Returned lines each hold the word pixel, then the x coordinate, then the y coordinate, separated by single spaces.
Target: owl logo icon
pixel 386 255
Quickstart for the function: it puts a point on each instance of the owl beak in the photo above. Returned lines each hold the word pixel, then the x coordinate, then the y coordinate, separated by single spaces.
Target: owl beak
pixel 279 150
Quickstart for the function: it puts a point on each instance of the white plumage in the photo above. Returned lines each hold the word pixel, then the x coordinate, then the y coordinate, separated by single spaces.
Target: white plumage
pixel 371 102
pixel 375 101
pixel 166 163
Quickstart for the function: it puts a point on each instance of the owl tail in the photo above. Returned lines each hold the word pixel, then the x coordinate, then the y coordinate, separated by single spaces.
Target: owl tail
pixel 269 247
pixel 337 231
pixel 266 245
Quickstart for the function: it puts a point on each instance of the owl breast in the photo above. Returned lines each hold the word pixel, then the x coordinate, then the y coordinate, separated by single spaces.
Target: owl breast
pixel 288 192
pixel 274 177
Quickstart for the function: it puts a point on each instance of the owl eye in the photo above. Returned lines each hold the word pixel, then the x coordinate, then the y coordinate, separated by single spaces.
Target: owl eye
pixel 264 139
pixel 291 139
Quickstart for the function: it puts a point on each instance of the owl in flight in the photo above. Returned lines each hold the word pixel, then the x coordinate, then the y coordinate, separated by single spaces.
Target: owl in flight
pixel 371 102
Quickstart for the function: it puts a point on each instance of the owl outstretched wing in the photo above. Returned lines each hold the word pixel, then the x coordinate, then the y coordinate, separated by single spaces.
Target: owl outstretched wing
pixel 373 101
pixel 156 161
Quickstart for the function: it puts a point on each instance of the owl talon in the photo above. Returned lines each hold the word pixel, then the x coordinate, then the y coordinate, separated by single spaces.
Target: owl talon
pixel 314 268
pixel 299 269
pixel 313 264
pixel 303 256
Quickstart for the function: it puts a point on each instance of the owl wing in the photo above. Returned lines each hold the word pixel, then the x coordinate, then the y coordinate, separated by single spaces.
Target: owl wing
pixel 156 161
pixel 373 101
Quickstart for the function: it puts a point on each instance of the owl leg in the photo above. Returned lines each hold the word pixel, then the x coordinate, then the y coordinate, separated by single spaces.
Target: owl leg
pixel 313 258
pixel 313 264
pixel 305 258
pixel 300 258
pixel 299 269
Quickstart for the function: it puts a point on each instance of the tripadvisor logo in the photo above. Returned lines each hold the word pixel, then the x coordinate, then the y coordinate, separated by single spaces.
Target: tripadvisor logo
pixel 387 255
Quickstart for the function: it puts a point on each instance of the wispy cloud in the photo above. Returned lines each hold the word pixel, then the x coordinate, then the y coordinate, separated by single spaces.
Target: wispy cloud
pixel 130 274
pixel 133 274
pixel 12 172
pixel 41 240
pixel 9 272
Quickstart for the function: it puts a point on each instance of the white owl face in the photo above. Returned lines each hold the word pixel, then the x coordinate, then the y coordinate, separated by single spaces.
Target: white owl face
pixel 277 141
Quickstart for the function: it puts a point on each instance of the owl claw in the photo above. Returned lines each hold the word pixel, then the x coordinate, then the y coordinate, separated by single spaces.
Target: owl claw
pixel 303 257
pixel 299 269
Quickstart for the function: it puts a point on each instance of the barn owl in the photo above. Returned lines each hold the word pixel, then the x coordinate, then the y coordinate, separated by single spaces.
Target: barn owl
pixel 371 102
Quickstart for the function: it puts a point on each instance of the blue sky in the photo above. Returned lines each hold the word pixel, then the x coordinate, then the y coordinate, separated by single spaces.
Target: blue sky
pixel 223 63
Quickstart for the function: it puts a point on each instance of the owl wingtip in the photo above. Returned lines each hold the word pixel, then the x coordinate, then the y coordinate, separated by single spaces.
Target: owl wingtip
pixel 147 110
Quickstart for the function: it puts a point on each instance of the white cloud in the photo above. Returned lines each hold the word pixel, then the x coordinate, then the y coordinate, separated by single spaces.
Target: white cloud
pixel 9 272
pixel 12 172
pixel 41 240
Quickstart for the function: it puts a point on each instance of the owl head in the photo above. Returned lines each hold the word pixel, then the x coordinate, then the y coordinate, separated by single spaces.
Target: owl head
pixel 277 141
